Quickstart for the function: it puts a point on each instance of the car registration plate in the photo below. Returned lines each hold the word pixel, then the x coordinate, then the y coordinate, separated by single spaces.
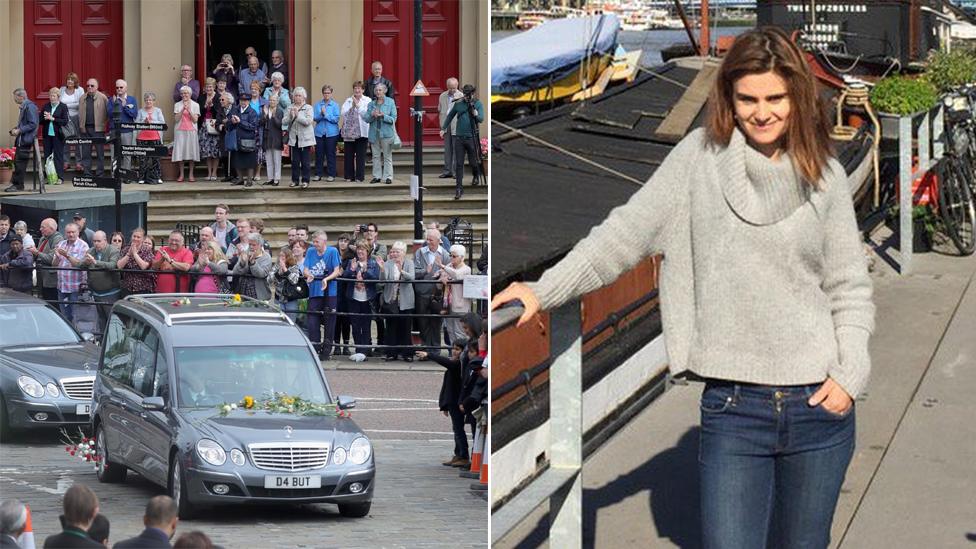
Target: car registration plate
pixel 292 481
pixel 83 409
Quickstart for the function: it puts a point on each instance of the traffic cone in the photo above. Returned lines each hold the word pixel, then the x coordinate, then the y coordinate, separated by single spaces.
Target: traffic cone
pixel 476 455
pixel 26 540
pixel 482 483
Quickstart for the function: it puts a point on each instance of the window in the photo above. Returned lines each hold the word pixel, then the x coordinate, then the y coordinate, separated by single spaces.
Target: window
pixel 145 340
pixel 34 325
pixel 161 381
pixel 116 364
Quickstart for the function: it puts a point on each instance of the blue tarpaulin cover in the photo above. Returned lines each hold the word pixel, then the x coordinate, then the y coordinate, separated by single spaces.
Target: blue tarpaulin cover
pixel 549 52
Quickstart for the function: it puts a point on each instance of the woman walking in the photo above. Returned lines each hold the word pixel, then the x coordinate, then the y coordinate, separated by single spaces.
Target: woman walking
pixel 209 133
pixel 301 137
pixel 382 117
pixel 765 295
pixel 149 171
pixel 186 147
pixel 272 141
pixel 355 133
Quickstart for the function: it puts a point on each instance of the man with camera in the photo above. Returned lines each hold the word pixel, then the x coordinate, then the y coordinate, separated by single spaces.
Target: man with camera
pixel 469 113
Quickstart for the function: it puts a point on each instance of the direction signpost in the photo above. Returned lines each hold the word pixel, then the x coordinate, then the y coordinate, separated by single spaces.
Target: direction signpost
pixel 118 151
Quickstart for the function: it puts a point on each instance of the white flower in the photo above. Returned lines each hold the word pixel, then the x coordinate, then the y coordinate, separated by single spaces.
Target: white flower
pixel 226 408
pixel 233 406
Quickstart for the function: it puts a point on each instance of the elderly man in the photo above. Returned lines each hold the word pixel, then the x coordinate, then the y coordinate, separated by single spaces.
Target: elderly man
pixel 238 244
pixel 104 280
pixel 125 108
pixel 444 104
pixel 224 232
pixel 80 508
pixel 137 256
pixel 6 235
pixel 278 65
pixel 428 262
pixel 468 113
pixel 174 257
pixel 93 119
pixel 84 232
pixel 69 256
pixel 377 78
pixel 250 52
pixel 322 266
pixel 13 522
pixel 16 267
pixel 186 79
pixel 44 255
pixel 161 518
pixel 24 134
pixel 253 73
pixel 206 235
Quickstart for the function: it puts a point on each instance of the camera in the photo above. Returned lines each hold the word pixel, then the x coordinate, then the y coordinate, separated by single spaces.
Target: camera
pixel 361 228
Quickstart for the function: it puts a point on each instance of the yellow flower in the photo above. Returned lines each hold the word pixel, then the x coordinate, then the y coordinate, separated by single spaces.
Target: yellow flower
pixel 237 298
pixel 289 401
pixel 249 402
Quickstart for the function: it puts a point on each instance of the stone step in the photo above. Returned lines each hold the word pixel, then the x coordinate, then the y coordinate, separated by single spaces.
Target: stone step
pixel 346 219
pixel 214 191
pixel 276 206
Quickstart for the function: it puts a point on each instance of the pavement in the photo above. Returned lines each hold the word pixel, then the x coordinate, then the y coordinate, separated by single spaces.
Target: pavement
pixel 417 503
pixel 912 481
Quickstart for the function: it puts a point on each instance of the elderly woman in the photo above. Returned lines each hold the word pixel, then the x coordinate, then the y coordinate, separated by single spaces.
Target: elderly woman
pixel 149 172
pixel 20 228
pixel 398 299
pixel 71 95
pixel 301 136
pixel 186 147
pixel 355 133
pixel 253 267
pixel 455 302
pixel 381 116
pixel 225 70
pixel 272 141
pixel 277 88
pixel 54 116
pixel 244 122
pixel 228 137
pixel 222 89
pixel 326 134
pixel 257 103
pixel 289 290
pixel 363 268
pixel 209 137
pixel 210 267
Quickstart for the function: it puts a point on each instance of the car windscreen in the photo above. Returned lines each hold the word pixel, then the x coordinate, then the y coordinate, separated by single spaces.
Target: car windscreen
pixel 27 324
pixel 209 376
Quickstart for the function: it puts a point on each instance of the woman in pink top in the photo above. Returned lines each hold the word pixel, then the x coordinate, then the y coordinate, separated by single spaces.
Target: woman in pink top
pixel 186 145
pixel 211 264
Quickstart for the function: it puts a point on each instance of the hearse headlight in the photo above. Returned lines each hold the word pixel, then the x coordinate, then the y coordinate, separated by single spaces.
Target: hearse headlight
pixel 339 455
pixel 211 452
pixel 359 451
pixel 30 386
pixel 237 457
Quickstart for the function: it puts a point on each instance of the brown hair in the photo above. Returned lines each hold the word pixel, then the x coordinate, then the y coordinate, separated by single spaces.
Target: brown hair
pixel 80 505
pixel 289 255
pixel 358 84
pixel 257 224
pixel 763 50
pixel 73 76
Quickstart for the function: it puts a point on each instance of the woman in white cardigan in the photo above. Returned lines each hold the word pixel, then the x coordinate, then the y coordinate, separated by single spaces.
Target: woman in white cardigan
pixel 301 136
pixel 355 133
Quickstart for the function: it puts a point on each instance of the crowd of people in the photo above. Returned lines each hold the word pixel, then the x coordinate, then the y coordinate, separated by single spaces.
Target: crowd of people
pixel 367 282
pixel 246 117
pixel 84 527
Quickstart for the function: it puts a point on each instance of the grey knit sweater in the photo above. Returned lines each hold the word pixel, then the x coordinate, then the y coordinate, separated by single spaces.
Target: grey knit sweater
pixel 763 278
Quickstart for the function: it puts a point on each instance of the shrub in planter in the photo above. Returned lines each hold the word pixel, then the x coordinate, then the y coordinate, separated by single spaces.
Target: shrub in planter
pixel 924 226
pixel 948 70
pixel 901 95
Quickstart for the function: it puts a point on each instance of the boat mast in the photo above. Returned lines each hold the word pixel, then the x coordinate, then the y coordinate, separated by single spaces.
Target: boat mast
pixel 684 21
pixel 706 40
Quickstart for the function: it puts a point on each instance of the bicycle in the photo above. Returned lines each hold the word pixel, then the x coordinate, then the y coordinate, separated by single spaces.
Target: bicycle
pixel 957 181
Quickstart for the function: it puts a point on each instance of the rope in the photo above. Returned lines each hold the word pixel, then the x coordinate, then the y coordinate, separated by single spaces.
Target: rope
pixel 662 77
pixel 571 154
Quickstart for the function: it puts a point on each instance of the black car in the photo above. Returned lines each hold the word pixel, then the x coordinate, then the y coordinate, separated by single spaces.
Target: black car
pixel 170 401
pixel 47 368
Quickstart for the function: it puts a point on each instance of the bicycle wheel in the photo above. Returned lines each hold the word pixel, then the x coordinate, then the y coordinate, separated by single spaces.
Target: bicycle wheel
pixel 956 205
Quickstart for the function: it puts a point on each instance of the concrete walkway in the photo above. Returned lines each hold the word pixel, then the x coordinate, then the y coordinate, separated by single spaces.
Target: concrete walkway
pixel 912 482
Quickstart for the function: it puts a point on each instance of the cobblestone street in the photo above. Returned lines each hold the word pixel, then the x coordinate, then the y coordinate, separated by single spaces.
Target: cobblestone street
pixel 417 503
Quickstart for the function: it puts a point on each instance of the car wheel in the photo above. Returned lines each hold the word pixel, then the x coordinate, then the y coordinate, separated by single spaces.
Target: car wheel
pixel 177 488
pixel 355 510
pixel 106 469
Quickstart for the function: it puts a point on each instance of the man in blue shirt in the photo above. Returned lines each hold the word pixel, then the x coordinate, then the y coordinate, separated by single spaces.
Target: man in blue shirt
pixel 326 115
pixel 126 108
pixel 252 74
pixel 322 266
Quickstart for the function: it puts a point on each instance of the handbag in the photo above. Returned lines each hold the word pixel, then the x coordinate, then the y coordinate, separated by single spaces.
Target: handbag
pixel 69 130
pixel 396 139
pixel 247 145
pixel 291 292
pixel 211 125
pixel 437 299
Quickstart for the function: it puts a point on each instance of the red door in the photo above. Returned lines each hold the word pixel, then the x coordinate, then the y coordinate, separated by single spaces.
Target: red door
pixel 62 36
pixel 389 39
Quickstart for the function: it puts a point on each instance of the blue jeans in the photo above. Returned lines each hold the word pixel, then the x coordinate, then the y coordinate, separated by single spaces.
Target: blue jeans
pixel 325 156
pixel 771 466
pixel 291 309
pixel 68 309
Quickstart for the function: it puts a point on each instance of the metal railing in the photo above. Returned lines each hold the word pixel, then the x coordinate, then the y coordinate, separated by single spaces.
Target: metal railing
pixel 561 483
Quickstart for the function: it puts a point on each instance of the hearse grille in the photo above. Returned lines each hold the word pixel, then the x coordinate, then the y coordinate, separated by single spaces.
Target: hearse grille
pixel 291 457
pixel 78 388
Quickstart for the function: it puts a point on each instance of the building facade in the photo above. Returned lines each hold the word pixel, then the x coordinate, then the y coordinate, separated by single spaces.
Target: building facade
pixel 324 41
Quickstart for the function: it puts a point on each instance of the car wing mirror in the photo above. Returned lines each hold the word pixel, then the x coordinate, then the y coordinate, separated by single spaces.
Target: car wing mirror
pixel 153 404
pixel 346 402
pixel 89 337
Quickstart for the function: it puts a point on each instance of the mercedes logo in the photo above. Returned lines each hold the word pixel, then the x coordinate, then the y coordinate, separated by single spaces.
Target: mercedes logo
pixel 288 431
